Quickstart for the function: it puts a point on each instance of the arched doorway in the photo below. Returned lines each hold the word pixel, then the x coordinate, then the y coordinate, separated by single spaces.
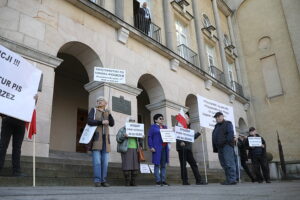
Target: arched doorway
pixel 70 99
pixel 152 94
pixel 242 126
pixel 192 103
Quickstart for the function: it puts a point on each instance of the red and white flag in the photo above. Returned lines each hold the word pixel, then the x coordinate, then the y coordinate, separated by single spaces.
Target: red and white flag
pixel 181 118
pixel 31 127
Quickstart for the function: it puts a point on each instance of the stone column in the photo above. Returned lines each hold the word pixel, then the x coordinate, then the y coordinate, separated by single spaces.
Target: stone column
pixel 119 8
pixel 221 42
pixel 169 24
pixel 232 37
pixel 199 36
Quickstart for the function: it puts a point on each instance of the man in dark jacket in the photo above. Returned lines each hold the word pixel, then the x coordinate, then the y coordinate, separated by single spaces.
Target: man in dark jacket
pixel 258 157
pixel 144 18
pixel 185 154
pixel 223 144
pixel 244 156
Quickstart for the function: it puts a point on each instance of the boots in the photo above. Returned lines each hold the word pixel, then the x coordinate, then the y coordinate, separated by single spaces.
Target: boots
pixel 127 177
pixel 134 174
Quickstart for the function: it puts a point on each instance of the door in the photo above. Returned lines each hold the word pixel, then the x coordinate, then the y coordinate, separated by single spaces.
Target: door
pixel 81 122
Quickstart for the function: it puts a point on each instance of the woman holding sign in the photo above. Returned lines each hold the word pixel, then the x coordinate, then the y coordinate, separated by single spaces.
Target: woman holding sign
pixel 128 147
pixel 100 117
pixel 257 153
pixel 159 149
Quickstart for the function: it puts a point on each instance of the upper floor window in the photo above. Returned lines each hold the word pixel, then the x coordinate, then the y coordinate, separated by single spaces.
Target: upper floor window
pixel 181 33
pixel 226 40
pixel 206 21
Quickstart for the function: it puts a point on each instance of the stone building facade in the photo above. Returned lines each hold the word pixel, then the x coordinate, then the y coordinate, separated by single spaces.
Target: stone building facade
pixel 244 54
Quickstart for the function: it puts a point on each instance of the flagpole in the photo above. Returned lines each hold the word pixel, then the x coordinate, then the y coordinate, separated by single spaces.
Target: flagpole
pixel 204 159
pixel 33 157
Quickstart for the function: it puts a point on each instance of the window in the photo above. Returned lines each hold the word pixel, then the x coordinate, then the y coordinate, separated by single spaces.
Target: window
pixel 226 40
pixel 211 55
pixel 182 38
pixel 206 21
pixel 231 76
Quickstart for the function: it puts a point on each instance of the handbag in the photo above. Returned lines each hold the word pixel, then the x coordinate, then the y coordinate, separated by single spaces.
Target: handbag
pixel 141 155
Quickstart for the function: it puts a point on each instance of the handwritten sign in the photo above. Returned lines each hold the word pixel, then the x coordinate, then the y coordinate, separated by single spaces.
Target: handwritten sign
pixel 184 134
pixel 255 141
pixel 135 130
pixel 19 81
pixel 144 168
pixel 87 134
pixel 168 135
pixel 109 75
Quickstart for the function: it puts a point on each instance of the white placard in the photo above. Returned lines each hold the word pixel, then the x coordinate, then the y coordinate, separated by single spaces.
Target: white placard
pixel 135 130
pixel 109 75
pixel 144 168
pixel 151 168
pixel 19 81
pixel 87 134
pixel 207 110
pixel 184 134
pixel 168 135
pixel 255 141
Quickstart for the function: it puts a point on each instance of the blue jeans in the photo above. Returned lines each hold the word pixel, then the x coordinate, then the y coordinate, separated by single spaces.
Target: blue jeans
pixel 100 164
pixel 160 170
pixel 227 161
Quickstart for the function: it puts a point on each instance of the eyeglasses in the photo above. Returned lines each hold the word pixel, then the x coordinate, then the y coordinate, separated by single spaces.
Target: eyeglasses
pixel 161 118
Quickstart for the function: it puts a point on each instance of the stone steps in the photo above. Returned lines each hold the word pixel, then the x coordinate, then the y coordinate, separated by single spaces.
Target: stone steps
pixel 66 171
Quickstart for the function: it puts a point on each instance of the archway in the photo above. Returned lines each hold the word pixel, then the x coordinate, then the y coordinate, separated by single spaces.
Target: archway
pixel 152 93
pixel 70 99
pixel 242 126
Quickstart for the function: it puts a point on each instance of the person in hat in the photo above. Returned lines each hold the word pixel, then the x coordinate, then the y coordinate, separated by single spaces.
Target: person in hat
pixel 243 154
pixel 258 157
pixel 100 116
pixel 223 144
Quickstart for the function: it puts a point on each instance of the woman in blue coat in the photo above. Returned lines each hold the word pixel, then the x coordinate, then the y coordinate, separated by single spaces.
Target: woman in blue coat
pixel 159 149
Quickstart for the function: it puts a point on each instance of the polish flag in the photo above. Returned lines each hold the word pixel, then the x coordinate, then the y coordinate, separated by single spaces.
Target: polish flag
pixel 181 118
pixel 31 127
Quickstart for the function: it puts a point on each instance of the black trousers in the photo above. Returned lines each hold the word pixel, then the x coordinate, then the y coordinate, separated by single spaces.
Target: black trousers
pixel 16 129
pixel 246 168
pixel 260 163
pixel 186 156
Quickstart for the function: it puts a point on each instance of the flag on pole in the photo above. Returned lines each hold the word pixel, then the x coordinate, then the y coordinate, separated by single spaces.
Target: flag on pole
pixel 31 127
pixel 181 118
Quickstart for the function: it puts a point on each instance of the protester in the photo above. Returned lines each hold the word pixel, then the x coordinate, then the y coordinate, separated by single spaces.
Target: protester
pixel 223 144
pixel 15 128
pixel 258 157
pixel 128 146
pixel 159 149
pixel 185 155
pixel 244 156
pixel 100 117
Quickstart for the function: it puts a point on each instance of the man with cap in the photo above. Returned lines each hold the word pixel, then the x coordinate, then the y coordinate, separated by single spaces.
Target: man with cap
pixel 223 144
pixel 258 157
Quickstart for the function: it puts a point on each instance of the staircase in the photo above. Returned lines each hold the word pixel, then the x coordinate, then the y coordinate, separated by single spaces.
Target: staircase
pixel 75 169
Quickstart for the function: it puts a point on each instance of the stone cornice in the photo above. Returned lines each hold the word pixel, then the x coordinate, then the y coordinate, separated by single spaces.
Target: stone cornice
pixel 93 85
pixel 224 7
pixel 30 53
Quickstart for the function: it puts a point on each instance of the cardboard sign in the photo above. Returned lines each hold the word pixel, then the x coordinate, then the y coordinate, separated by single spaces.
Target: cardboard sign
pixel 108 75
pixel 144 168
pixel 87 134
pixel 255 141
pixel 19 81
pixel 135 130
pixel 184 134
pixel 168 135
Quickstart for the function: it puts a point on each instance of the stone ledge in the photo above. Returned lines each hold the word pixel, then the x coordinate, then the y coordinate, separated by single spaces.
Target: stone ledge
pixel 30 53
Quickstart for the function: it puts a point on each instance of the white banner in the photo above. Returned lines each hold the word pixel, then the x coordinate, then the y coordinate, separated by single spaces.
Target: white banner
pixel 208 108
pixel 109 75
pixel 168 135
pixel 255 141
pixel 135 130
pixel 87 134
pixel 19 82
pixel 184 134
pixel 144 168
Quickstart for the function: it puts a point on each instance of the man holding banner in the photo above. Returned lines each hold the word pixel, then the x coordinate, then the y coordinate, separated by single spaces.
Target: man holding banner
pixel 223 144
pixel 257 152
pixel 185 154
